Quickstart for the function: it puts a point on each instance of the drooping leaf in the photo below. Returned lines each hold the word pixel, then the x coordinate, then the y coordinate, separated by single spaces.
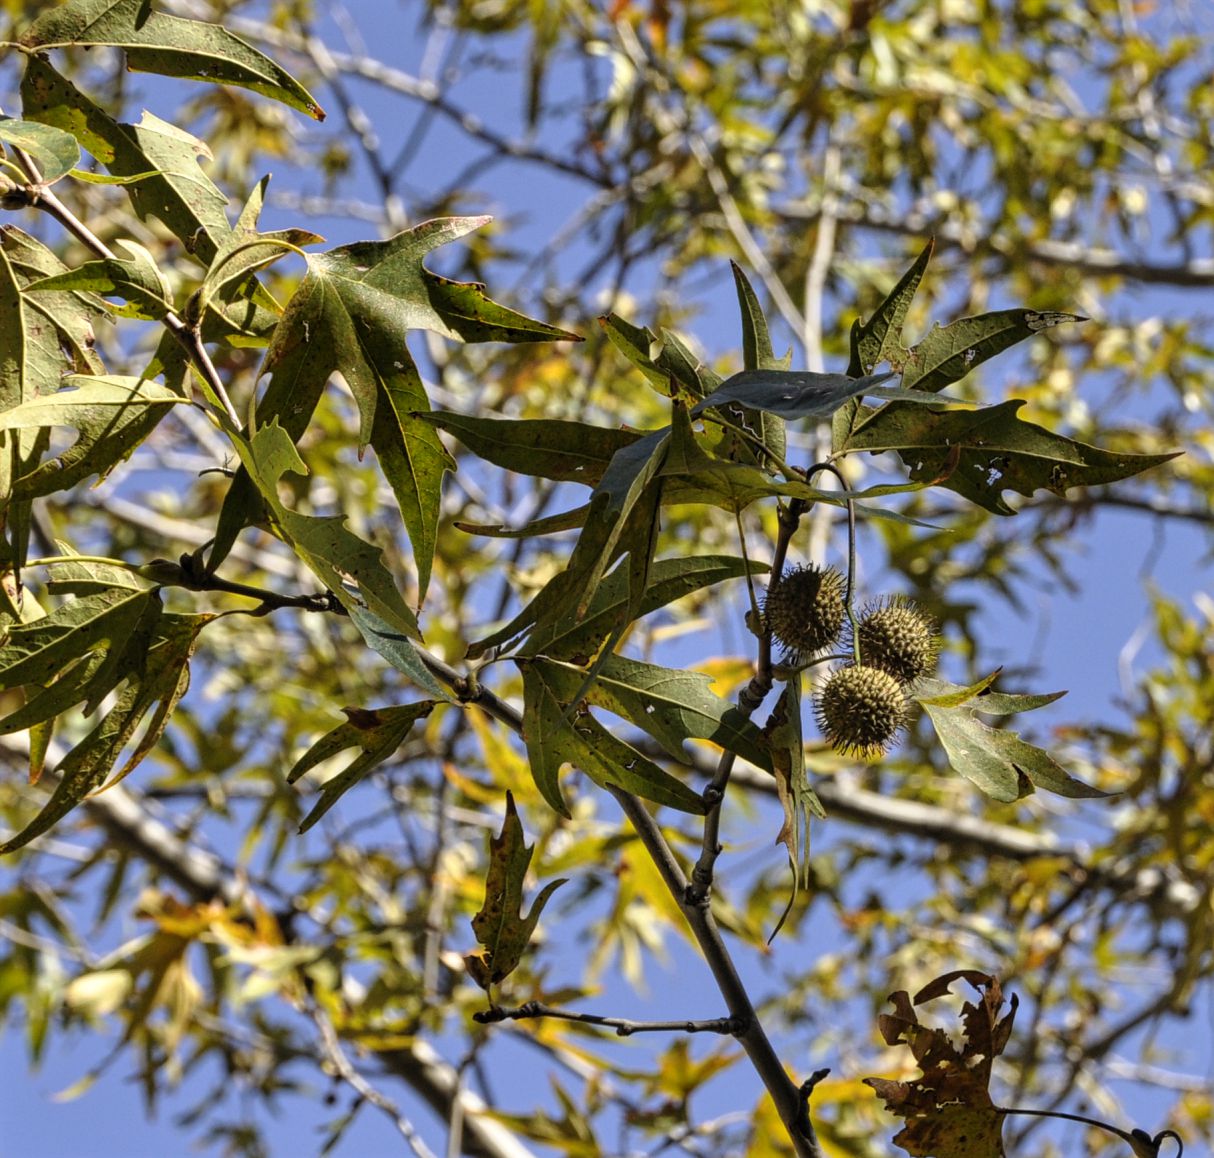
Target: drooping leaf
pixel 38 654
pixel 500 927
pixel 168 45
pixel 397 648
pixel 577 638
pixel 352 313
pixel 948 1111
pixel 554 741
pixel 55 151
pixel 376 732
pixel 669 704
pixel 137 280
pixel 124 641
pixel 994 450
pixel 999 762
pixel 550 448
pixel 336 556
pixel 113 413
pixel 783 736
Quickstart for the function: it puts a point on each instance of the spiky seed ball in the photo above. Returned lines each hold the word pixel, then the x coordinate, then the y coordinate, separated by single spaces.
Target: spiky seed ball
pixel 805 610
pixel 900 638
pixel 860 710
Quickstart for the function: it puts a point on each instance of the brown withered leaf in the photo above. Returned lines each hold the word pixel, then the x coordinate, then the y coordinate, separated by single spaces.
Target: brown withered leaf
pixel 500 927
pixel 948 1111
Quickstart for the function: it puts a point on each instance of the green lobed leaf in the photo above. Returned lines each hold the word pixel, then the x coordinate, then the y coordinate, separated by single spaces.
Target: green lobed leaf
pixel 666 362
pixel 337 556
pixel 168 45
pixel 352 314
pixel 981 453
pixel 113 414
pixel 501 929
pixel 949 353
pixel 554 741
pixel 376 732
pixel 69 338
pixel 757 354
pixel 153 674
pixel 170 187
pixel 178 192
pixel 137 280
pixel 880 338
pixel 999 762
pixel 550 448
pixel 55 151
pixel 34 654
pixel 669 704
pixel 239 256
pixel 577 638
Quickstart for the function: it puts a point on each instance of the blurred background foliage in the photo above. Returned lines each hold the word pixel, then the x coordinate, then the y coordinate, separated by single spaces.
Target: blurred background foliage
pixel 1059 153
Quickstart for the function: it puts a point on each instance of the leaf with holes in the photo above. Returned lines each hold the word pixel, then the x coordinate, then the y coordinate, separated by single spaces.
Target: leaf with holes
pixel 979 454
pixel 948 1111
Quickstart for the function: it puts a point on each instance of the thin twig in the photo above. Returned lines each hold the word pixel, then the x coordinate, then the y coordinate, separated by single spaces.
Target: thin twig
pixel 44 197
pixel 346 1070
pixel 623 1026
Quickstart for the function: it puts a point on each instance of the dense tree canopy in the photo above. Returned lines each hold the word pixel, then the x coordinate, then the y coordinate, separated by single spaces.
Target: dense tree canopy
pixel 440 581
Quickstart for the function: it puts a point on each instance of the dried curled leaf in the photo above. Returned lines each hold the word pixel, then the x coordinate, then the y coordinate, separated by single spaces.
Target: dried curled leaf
pixel 948 1111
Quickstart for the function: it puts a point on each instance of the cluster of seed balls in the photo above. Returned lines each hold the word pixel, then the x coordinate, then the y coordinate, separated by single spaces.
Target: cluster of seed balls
pixel 862 706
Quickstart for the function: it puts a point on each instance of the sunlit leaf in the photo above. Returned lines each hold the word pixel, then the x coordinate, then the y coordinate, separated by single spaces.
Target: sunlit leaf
pixel 993 450
pixel 169 45
pixel 353 313
pixel 554 741
pixel 338 557
pixel 998 761
pixel 55 151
